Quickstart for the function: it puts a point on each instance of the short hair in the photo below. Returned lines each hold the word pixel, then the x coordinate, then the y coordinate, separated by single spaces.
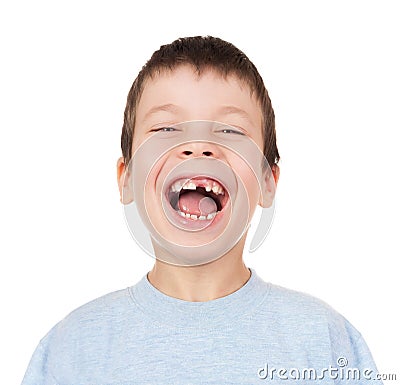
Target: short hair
pixel 203 53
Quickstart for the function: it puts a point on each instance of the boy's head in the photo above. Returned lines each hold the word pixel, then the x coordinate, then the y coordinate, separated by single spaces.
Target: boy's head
pixel 195 115
pixel 202 53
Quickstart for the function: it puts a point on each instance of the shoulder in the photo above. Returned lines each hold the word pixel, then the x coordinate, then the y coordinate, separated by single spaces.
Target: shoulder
pixel 309 311
pixel 311 319
pixel 315 330
pixel 293 300
pixel 100 309
pixel 87 325
pixel 101 312
pixel 81 338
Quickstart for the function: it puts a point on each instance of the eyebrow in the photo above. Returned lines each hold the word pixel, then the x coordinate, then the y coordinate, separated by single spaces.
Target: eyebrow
pixel 164 107
pixel 224 110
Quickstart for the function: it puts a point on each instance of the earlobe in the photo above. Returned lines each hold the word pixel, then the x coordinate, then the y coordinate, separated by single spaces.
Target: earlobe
pixel 268 186
pixel 276 172
pixel 124 183
pixel 120 173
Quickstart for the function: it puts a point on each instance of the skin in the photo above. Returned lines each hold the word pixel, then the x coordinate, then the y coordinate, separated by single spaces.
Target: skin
pixel 190 96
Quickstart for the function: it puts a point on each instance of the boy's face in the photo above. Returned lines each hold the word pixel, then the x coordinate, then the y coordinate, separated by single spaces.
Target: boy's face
pixel 175 168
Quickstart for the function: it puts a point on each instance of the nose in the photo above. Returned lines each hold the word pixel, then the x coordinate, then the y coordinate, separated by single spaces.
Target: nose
pixel 196 149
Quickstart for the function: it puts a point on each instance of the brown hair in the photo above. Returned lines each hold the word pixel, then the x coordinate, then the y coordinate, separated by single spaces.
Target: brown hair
pixel 203 53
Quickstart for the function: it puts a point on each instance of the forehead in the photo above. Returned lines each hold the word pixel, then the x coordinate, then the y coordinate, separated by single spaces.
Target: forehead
pixel 181 94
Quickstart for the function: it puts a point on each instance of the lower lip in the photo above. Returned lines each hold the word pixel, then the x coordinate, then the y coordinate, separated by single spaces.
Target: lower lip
pixel 193 224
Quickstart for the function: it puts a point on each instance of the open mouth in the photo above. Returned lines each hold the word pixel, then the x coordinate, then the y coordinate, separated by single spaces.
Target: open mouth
pixel 197 199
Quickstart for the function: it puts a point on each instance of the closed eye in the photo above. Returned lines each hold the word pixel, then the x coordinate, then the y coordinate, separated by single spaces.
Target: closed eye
pixel 164 129
pixel 231 131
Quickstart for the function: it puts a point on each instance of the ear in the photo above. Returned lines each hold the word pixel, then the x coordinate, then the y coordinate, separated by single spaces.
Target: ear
pixel 124 182
pixel 276 171
pixel 268 185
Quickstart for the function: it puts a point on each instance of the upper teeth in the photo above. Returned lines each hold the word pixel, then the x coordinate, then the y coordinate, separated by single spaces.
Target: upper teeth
pixel 191 185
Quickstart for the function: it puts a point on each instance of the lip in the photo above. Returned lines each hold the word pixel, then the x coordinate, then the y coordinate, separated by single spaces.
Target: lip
pixel 192 224
pixel 201 182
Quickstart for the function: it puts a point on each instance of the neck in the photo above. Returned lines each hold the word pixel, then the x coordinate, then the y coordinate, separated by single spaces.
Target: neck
pixel 202 283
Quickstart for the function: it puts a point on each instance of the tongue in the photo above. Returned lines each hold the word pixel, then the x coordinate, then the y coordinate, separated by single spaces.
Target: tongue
pixel 196 203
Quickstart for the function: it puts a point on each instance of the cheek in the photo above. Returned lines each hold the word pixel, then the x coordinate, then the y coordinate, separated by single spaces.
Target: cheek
pixel 136 142
pixel 246 175
pixel 155 176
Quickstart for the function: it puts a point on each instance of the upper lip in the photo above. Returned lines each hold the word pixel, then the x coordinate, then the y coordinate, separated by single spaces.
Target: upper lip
pixel 219 190
pixel 210 184
pixel 198 168
pixel 171 179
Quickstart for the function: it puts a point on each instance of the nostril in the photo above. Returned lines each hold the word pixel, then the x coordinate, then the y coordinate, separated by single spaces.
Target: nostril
pixel 207 153
pixel 188 152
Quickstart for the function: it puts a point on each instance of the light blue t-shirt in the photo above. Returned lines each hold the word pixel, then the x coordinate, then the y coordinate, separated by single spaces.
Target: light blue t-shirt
pixel 261 333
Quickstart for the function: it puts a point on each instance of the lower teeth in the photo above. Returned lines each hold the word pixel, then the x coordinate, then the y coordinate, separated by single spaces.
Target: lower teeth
pixel 195 217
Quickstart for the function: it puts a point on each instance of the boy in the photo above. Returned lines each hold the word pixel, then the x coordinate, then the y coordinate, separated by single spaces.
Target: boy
pixel 194 116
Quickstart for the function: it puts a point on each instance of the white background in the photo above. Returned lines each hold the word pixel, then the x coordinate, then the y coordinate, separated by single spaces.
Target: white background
pixel 332 71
